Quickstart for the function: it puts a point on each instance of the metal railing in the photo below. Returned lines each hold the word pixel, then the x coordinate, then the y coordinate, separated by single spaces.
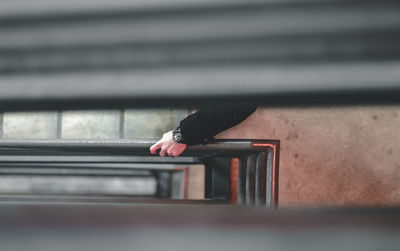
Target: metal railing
pixel 251 177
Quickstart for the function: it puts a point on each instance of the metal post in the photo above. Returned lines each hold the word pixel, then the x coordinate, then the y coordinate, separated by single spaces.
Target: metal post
pixel 249 178
pixel 258 180
pixel 163 184
pixel 269 181
pixel 242 180
pixel 217 182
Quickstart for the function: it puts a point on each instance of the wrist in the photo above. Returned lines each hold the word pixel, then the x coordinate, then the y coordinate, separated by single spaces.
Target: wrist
pixel 177 136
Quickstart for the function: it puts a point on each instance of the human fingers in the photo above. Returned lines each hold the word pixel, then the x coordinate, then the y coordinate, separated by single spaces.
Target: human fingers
pixel 170 153
pixel 176 150
pixel 180 149
pixel 163 151
pixel 155 147
pixel 173 152
pixel 179 152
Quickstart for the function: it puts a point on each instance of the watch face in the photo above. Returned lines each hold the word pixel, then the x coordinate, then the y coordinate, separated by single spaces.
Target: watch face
pixel 177 137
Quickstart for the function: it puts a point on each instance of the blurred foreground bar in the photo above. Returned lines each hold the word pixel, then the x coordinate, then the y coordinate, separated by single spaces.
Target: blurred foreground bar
pixel 58 54
pixel 45 226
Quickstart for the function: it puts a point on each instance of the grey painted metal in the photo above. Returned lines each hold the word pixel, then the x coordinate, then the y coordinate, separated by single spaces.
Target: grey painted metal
pixel 249 165
pixel 133 155
pixel 163 184
pixel 269 193
pixel 177 185
pixel 119 147
pixel 133 144
pixel 253 178
pixel 242 174
pixel 73 172
pixel 95 159
pixel 93 166
pixel 258 179
pixel 217 178
pixel 96 199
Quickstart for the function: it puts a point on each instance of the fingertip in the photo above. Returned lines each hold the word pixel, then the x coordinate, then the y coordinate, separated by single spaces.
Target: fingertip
pixel 153 148
pixel 162 153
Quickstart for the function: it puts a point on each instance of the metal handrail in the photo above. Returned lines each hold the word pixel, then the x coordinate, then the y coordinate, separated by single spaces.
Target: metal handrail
pixel 257 175
pixel 131 146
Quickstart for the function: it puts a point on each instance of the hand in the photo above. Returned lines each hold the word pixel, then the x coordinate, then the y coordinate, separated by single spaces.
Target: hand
pixel 168 146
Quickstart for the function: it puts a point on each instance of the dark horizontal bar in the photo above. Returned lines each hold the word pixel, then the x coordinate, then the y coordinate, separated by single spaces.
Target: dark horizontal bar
pixel 124 147
pixel 58 10
pixel 101 166
pixel 284 49
pixel 342 83
pixel 16 157
pixel 34 10
pixel 103 227
pixel 99 199
pixel 177 215
pixel 29 171
pixel 76 11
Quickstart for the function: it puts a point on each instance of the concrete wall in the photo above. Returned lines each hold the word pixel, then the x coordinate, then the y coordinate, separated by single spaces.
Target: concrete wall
pixel 91 124
pixel 30 125
pixel 152 123
pixel 341 156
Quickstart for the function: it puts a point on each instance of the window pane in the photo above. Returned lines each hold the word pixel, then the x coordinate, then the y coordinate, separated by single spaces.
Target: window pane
pixel 32 125
pixel 141 124
pixel 90 124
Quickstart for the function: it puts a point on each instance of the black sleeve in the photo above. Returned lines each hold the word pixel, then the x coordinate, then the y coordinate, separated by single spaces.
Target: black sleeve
pixel 200 127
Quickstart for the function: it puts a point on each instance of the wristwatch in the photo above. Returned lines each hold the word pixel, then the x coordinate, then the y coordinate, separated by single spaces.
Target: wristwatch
pixel 177 136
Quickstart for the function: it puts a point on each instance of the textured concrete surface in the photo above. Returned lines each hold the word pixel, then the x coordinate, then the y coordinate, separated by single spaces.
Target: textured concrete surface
pixel 90 124
pixel 32 125
pixel 341 156
pixel 142 124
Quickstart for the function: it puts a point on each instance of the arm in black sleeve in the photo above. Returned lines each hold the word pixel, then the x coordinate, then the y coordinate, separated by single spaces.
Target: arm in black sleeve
pixel 200 127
